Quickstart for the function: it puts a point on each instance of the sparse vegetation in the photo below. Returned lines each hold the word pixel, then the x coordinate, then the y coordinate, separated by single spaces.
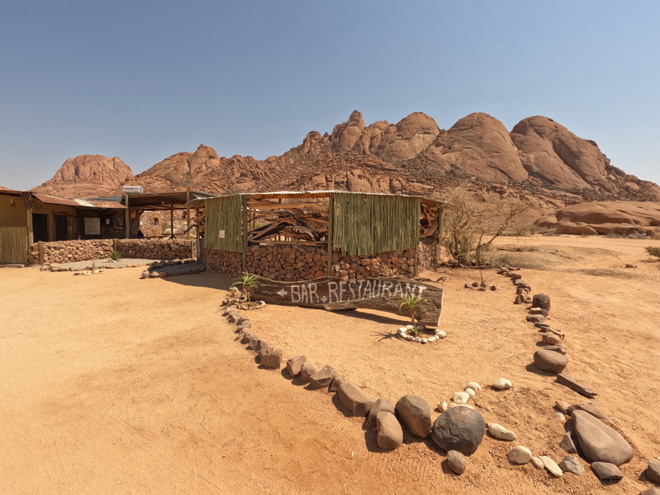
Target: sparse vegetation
pixel 115 255
pixel 471 226
pixel 653 251
pixel 410 305
pixel 247 282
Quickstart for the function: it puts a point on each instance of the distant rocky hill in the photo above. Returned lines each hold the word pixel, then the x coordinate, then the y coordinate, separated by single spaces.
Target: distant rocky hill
pixel 87 176
pixel 539 158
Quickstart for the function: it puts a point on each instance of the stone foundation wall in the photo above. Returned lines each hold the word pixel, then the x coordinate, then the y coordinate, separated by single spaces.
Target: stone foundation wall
pixel 70 251
pixel 288 263
pixel 426 254
pixel 223 261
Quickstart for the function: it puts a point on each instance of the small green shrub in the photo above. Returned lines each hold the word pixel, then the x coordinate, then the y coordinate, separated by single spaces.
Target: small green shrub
pixel 115 255
pixel 247 281
pixel 410 304
pixel 653 251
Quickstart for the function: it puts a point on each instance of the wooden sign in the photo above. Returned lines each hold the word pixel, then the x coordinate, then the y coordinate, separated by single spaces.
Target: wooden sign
pixel 334 294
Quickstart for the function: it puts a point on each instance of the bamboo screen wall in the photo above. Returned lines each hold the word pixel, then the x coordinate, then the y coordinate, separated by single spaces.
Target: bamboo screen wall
pixel 223 224
pixel 13 245
pixel 365 224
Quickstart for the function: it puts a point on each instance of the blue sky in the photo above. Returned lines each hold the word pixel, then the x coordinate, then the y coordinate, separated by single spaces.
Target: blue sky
pixel 145 79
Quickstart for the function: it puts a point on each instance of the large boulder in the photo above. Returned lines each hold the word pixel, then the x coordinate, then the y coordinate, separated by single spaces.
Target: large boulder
pixel 322 378
pixel 541 301
pixel 600 442
pixel 355 399
pixel 272 359
pixel 390 433
pixel 294 365
pixel 382 404
pixel 459 428
pixel 415 413
pixel 550 361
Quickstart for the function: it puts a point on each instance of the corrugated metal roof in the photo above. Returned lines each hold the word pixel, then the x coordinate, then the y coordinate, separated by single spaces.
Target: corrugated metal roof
pixel 78 203
pixel 323 194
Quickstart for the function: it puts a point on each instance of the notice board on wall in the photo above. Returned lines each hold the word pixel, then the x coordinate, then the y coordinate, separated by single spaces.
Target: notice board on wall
pixel 92 226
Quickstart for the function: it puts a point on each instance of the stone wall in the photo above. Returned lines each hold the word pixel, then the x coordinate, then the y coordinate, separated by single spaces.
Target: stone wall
pixel 223 261
pixel 70 251
pixel 290 263
pixel 427 256
pixel 158 249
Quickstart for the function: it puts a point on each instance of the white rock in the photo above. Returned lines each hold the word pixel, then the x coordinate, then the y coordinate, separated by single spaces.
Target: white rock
pixel 443 407
pixel 537 463
pixel 417 339
pixel 424 341
pixel 474 386
pixel 441 334
pixel 520 455
pixel 401 330
pixel 499 431
pixel 560 416
pixel 409 327
pixel 502 384
pixel 551 466
pixel 409 337
pixel 470 392
pixel 432 339
pixel 461 397
pixel 453 404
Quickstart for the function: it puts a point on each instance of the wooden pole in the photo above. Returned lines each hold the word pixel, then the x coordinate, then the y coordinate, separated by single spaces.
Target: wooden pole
pixel 187 215
pixel 128 217
pixel 331 221
pixel 30 228
pixel 244 215
pixel 172 220
pixel 438 237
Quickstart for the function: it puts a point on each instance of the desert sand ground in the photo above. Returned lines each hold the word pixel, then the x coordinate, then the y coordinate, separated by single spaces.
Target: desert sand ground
pixel 112 384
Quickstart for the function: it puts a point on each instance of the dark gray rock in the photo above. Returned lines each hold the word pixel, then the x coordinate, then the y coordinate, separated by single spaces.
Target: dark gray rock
pixel 456 461
pixel 567 444
pixel 390 433
pixel 606 471
pixel 541 301
pixel 382 404
pixel 535 318
pixel 653 471
pixel 334 386
pixel 550 361
pixel 572 465
pixel 294 365
pixel 355 399
pixel 415 414
pixel 459 428
pixel 600 442
pixel 322 378
pixel 570 382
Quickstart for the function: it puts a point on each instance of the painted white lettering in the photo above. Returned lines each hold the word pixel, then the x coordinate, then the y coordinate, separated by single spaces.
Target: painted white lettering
pixel 313 296
pixel 351 286
pixel 421 289
pixel 387 287
pixel 367 289
pixel 398 289
pixel 342 290
pixel 304 297
pixel 409 290
pixel 332 290
pixel 360 289
pixel 295 293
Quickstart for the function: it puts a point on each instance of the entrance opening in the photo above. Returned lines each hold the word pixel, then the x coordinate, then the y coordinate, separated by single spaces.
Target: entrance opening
pixel 40 227
pixel 61 229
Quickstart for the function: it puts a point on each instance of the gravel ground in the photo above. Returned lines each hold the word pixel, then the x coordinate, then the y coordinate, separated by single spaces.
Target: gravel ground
pixel 102 264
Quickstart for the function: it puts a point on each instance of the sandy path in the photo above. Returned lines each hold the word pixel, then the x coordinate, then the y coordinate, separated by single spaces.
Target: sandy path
pixel 112 384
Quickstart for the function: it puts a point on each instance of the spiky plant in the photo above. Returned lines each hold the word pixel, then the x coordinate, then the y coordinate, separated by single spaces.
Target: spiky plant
pixel 115 256
pixel 410 304
pixel 247 281
pixel 653 251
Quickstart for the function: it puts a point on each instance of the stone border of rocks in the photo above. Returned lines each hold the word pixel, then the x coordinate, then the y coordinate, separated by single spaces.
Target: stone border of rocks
pixel 403 334
pixel 587 431
pixel 460 428
pixel 163 269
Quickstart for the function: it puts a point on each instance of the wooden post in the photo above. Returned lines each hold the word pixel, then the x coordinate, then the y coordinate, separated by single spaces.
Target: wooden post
pixel 244 215
pixel 187 215
pixel 30 229
pixel 41 253
pixel 438 233
pixel 331 239
pixel 128 217
pixel 172 220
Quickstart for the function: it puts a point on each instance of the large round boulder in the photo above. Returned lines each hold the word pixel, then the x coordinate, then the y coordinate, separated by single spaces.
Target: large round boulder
pixel 459 428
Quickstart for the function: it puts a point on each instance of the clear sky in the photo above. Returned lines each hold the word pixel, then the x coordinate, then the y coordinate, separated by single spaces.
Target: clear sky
pixel 145 79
